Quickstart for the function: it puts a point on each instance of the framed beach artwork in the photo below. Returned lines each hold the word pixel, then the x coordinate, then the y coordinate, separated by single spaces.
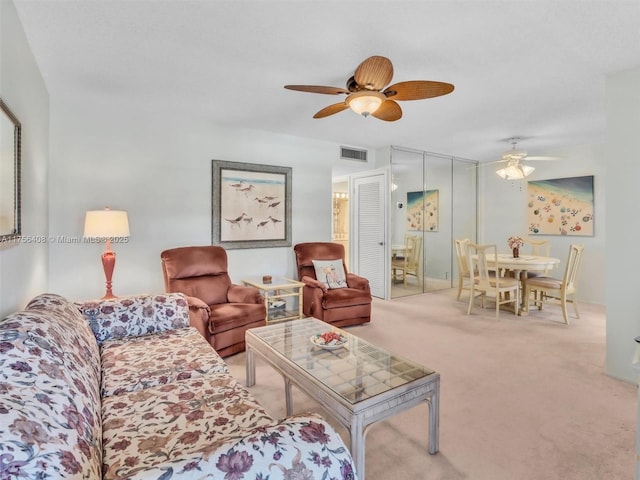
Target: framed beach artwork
pixel 422 211
pixel 561 206
pixel 251 205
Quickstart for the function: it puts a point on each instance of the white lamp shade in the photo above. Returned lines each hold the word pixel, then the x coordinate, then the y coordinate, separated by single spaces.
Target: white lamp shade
pixel 515 172
pixel 365 102
pixel 106 224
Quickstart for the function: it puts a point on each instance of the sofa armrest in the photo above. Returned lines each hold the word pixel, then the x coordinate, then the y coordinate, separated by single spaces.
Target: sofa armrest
pixel 357 282
pixel 297 447
pixel 304 445
pixel 244 294
pixel 199 313
pixel 313 283
pixel 135 316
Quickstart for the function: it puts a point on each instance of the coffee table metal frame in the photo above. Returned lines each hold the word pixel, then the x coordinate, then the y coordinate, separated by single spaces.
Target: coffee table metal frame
pixel 287 347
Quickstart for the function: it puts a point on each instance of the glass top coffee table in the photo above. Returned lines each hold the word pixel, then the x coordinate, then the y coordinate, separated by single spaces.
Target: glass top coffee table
pixel 358 384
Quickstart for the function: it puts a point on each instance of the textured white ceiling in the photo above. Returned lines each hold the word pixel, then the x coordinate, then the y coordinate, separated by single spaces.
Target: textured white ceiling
pixel 527 68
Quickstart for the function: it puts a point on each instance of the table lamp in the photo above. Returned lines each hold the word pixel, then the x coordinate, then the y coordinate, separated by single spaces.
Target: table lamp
pixel 105 225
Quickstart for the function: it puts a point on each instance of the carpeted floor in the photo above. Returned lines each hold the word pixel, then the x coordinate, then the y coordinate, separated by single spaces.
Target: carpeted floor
pixel 521 397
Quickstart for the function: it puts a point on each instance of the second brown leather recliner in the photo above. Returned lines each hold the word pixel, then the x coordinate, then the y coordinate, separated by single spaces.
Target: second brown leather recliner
pixel 201 272
pixel 338 306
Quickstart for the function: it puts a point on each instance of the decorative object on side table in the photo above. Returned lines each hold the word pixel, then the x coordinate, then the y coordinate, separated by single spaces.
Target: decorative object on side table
pixel 515 244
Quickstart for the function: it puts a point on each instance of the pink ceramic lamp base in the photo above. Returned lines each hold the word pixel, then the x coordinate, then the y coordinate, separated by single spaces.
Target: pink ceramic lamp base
pixel 108 263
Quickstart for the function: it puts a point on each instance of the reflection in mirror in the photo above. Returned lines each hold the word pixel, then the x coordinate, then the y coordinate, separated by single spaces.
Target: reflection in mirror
pixel 433 201
pixel 10 130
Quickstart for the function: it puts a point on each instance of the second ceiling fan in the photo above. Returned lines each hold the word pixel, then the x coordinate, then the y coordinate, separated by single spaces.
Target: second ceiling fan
pixel 515 169
pixel 367 95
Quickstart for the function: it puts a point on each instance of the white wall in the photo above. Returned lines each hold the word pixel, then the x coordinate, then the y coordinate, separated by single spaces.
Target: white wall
pixel 23 265
pixel 159 170
pixel 503 207
pixel 623 157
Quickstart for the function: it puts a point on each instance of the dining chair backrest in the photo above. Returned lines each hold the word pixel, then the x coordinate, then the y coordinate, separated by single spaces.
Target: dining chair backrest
pixel 462 251
pixel 485 254
pixel 571 270
pixel 462 262
pixel 414 252
pixel 539 247
pixel 407 247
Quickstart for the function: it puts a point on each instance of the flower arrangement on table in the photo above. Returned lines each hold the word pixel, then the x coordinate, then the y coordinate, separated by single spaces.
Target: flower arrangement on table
pixel 515 243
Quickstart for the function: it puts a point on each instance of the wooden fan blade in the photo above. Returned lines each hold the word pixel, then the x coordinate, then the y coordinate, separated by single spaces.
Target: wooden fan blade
pixel 417 90
pixel 317 89
pixel 374 73
pixel 331 109
pixel 389 111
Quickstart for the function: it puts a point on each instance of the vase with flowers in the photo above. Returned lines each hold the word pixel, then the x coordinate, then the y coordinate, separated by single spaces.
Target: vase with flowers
pixel 515 243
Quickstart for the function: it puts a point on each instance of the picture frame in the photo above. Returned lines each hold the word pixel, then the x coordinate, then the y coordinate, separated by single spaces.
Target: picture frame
pixel 10 175
pixel 561 206
pixel 251 205
pixel 422 211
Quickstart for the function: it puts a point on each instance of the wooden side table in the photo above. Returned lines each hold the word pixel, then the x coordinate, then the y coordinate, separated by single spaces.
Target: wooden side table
pixel 282 297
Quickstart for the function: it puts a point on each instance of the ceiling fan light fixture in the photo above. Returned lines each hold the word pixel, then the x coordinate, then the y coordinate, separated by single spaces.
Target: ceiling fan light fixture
pixel 515 154
pixel 515 171
pixel 365 102
pixel 527 170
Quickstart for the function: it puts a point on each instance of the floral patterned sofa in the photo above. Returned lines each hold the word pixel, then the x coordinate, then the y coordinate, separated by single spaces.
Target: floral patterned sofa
pixel 125 388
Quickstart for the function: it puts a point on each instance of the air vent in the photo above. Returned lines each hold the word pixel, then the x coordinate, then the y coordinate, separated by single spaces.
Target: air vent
pixel 347 153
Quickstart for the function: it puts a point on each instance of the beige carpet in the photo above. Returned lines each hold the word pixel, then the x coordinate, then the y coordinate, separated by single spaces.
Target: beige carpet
pixel 521 397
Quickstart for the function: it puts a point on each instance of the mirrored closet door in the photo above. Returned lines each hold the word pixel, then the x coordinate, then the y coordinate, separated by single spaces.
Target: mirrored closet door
pixel 433 201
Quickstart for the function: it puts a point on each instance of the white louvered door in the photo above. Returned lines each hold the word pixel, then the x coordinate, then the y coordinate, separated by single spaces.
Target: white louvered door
pixel 369 230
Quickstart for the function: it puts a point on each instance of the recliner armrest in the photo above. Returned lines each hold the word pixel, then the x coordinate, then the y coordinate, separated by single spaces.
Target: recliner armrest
pixel 313 283
pixel 357 282
pixel 199 313
pixel 243 294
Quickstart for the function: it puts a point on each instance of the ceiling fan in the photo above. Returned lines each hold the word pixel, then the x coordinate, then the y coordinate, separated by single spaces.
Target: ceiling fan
pixel 514 158
pixel 367 95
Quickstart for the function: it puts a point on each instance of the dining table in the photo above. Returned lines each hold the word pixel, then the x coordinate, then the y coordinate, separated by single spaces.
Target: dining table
pixel 399 250
pixel 520 266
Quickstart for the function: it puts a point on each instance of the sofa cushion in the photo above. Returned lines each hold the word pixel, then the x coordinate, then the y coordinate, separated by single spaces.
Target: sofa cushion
pixel 182 420
pixel 50 423
pixel 136 315
pixel 141 362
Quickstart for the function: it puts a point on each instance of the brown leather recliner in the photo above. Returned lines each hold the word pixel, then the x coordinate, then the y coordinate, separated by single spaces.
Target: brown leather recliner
pixel 341 306
pixel 201 272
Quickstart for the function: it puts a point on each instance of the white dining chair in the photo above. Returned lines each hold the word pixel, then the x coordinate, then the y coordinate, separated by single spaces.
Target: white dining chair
pixel 565 290
pixel 464 279
pixel 539 247
pixel 484 284
pixel 410 263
